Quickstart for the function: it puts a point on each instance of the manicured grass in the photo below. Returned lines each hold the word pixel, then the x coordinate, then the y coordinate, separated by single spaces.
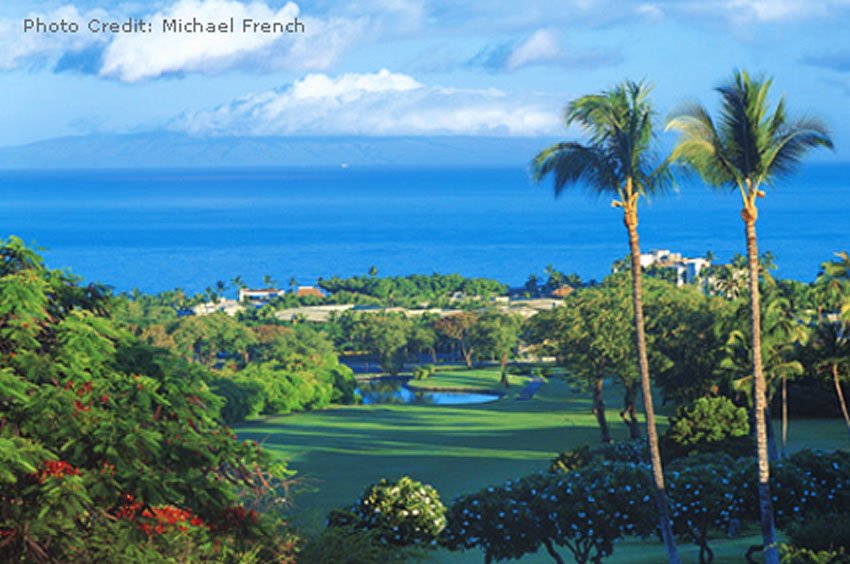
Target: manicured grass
pixel 461 449
pixel 483 379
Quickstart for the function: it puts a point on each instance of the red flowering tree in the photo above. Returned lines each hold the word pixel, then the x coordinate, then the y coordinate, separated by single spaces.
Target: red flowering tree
pixel 111 448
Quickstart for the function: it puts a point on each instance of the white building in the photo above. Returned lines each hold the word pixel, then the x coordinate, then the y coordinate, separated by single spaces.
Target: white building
pixel 687 269
pixel 259 297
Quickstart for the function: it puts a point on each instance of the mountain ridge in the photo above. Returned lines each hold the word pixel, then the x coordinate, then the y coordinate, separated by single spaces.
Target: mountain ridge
pixel 172 149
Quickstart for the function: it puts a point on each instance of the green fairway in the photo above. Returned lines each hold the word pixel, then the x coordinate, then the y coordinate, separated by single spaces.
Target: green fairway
pixel 461 449
pixel 482 379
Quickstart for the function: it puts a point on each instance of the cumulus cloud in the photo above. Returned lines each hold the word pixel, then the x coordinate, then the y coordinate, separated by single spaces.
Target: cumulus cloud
pixel 380 103
pixel 133 57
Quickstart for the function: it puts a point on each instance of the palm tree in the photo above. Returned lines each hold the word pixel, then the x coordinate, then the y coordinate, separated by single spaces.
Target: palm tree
pixel 618 161
pixel 831 347
pixel 747 148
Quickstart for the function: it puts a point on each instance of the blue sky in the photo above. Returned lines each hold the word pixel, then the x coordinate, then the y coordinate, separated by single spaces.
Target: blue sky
pixel 407 67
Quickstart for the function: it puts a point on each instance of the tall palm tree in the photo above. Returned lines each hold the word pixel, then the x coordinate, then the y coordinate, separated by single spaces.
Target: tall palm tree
pixel 748 147
pixel 618 160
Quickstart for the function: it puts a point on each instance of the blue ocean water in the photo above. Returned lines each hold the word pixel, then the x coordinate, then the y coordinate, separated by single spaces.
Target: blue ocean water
pixel 161 229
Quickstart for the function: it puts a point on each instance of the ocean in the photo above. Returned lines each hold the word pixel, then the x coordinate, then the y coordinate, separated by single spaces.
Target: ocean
pixel 160 229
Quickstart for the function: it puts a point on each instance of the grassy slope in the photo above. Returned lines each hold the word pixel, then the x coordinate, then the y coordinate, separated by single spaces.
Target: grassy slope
pixel 461 449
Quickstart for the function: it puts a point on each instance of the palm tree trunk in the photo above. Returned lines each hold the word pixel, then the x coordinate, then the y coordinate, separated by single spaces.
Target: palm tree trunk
pixel 643 362
pixel 599 409
pixel 840 394
pixel 504 364
pixel 784 416
pixel 772 451
pixel 768 529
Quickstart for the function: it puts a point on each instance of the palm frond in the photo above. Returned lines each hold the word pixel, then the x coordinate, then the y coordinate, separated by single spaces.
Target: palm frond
pixel 748 143
pixel 573 163
pixel 618 123
pixel 791 142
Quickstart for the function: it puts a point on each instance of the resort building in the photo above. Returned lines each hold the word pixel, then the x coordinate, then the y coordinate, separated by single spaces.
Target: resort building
pixel 259 297
pixel 230 307
pixel 687 269
pixel 305 291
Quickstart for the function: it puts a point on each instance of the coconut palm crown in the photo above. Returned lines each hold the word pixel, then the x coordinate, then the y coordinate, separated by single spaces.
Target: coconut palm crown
pixel 618 159
pixel 748 146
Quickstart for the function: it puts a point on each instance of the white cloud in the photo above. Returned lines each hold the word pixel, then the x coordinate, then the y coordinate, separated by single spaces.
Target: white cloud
pixel 17 47
pixel 541 47
pixel 133 57
pixel 744 12
pixel 381 103
pixel 772 10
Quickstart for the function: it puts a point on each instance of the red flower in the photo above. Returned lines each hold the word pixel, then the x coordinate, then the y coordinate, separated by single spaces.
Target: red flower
pixel 104 398
pixel 56 469
pixel 157 520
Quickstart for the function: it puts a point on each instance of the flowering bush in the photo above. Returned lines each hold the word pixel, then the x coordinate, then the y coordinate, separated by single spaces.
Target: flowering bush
pixel 90 416
pixel 505 522
pixel 807 484
pixel 586 511
pixel 702 497
pixel 404 513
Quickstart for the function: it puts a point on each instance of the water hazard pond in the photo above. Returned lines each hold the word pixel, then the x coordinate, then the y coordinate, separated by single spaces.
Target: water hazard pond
pixel 395 390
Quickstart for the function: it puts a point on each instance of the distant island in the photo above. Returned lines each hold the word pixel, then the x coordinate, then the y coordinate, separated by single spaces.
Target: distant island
pixel 172 149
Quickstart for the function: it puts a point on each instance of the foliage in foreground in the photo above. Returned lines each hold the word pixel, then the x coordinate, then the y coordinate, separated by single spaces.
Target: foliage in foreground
pixel 402 513
pixel 353 545
pixel 109 446
pixel 585 511
pixel 588 502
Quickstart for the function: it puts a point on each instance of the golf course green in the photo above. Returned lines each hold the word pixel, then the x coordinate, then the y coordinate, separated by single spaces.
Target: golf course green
pixel 461 449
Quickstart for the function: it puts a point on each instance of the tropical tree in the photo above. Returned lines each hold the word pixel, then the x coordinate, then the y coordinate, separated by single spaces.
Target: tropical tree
pixel 832 287
pixel 618 161
pixel 496 334
pixel 781 335
pixel 748 147
pixel 456 328
pixel 830 352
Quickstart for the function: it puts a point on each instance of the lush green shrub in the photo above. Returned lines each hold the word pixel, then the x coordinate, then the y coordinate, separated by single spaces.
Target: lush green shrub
pixel 702 498
pixel 351 545
pixel 402 513
pixel 635 452
pixel 423 372
pixel 708 425
pixel 243 398
pixel 826 532
pixel 792 555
